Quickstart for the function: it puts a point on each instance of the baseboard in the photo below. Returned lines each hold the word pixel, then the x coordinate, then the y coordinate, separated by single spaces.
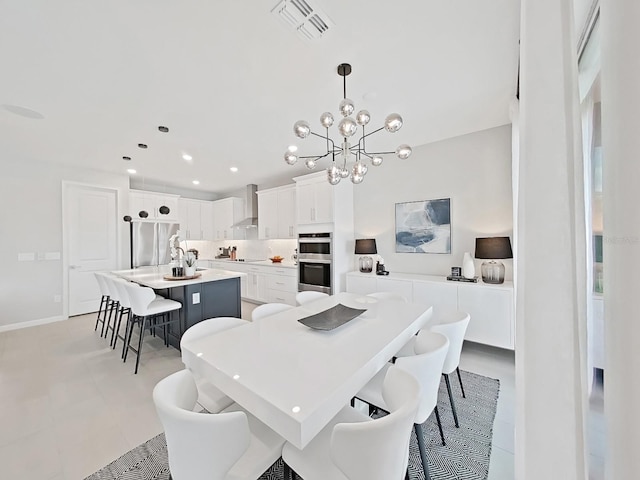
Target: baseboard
pixel 31 323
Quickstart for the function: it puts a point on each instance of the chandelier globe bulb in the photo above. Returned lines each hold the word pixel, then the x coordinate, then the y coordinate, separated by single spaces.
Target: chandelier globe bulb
pixel 393 122
pixel 347 127
pixel 376 161
pixel 403 151
pixel 346 107
pixel 326 119
pixel 363 117
pixel 290 158
pixel 301 129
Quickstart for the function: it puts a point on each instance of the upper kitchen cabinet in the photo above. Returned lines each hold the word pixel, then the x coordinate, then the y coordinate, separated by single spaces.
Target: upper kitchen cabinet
pixel 226 213
pixel 277 213
pixel 159 206
pixel 196 219
pixel 315 199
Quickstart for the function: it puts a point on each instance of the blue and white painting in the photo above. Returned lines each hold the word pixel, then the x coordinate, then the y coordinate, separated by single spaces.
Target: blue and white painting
pixel 424 227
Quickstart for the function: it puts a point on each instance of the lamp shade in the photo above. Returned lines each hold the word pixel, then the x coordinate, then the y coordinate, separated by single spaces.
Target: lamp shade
pixel 366 246
pixel 493 248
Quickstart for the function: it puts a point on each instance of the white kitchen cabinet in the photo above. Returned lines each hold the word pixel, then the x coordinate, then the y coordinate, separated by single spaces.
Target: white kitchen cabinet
pixel 491 306
pixel 151 203
pixel 196 219
pixel 227 212
pixel 277 213
pixel 267 214
pixel 315 200
pixel 282 285
pixel 256 284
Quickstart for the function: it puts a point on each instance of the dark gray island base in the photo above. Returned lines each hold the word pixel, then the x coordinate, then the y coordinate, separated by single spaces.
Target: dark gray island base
pixel 215 293
pixel 217 299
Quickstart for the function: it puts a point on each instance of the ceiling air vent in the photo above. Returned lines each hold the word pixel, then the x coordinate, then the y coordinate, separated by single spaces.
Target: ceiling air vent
pixel 304 17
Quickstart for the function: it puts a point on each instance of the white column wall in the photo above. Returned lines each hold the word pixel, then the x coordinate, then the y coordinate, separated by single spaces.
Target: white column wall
pixel 621 257
pixel 550 325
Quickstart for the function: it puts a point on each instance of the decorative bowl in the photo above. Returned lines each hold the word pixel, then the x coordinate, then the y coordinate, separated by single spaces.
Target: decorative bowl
pixel 276 259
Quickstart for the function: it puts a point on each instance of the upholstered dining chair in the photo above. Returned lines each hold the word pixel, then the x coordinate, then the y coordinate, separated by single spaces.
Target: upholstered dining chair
pixel 264 310
pixel 306 297
pixel 426 366
pixel 355 447
pixel 388 296
pixel 230 445
pixel 209 396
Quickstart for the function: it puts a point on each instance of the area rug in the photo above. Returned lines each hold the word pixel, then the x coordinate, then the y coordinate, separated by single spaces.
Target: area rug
pixel 466 455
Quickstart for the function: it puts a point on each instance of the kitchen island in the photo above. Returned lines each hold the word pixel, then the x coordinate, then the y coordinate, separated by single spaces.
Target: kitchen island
pixel 215 293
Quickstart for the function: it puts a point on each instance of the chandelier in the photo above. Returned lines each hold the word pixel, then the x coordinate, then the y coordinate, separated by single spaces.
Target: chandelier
pixel 348 159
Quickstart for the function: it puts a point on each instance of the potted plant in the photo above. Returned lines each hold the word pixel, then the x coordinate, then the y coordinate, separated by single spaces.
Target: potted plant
pixel 189 264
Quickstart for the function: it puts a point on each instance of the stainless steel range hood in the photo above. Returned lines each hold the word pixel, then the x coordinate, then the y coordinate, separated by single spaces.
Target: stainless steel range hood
pixel 250 208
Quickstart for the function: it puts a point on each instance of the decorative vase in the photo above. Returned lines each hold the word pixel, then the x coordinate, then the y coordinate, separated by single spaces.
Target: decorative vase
pixel 189 271
pixel 468 269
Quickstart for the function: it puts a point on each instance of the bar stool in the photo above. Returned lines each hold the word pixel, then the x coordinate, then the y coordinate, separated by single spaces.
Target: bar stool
pixel 105 301
pixel 114 306
pixel 125 309
pixel 146 306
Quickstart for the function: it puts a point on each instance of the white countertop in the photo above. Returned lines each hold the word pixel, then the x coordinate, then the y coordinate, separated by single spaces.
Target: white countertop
pixel 415 277
pixel 154 276
pixel 264 263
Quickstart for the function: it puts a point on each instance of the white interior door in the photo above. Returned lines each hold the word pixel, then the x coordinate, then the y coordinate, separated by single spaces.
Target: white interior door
pixel 91 243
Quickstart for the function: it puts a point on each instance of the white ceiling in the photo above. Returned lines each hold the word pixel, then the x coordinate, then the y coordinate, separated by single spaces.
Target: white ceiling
pixel 229 80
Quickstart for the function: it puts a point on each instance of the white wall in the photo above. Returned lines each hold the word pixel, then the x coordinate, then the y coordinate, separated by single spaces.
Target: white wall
pixel 31 220
pixel 473 170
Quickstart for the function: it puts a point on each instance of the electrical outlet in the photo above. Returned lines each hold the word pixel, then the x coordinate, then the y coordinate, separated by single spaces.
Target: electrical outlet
pixel 195 298
pixel 57 298
pixel 26 257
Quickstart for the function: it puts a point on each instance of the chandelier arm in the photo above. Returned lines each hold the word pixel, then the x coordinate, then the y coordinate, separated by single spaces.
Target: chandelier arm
pixel 316 157
pixel 333 145
pixel 361 140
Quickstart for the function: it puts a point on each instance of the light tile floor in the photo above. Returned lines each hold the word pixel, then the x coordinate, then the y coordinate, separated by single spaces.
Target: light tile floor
pixel 69 406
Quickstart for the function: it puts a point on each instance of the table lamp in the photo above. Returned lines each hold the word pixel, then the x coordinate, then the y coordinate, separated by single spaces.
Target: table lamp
pixel 366 247
pixel 493 248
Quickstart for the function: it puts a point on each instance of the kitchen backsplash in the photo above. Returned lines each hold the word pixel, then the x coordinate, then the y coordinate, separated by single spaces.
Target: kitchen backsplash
pixel 246 249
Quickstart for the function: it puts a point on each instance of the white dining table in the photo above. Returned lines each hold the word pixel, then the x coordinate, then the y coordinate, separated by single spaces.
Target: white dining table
pixel 296 379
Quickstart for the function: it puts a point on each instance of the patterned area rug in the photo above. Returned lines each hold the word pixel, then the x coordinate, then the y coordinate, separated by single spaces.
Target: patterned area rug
pixel 465 457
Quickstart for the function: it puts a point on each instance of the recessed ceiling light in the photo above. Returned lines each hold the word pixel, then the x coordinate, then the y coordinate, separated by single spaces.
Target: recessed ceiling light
pixel 131 171
pixel 187 157
pixel 126 159
pixel 234 169
pixel 142 145
pixel 23 111
pixel 163 129
pixel 196 182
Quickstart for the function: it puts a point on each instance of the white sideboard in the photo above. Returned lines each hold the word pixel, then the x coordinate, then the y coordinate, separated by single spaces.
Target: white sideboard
pixel 491 306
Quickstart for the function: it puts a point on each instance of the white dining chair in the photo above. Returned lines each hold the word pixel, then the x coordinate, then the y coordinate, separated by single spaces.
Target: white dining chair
pixel 266 309
pixel 306 297
pixel 231 445
pixel 453 325
pixel 355 447
pixel 426 366
pixel 147 306
pixel 388 296
pixel 209 396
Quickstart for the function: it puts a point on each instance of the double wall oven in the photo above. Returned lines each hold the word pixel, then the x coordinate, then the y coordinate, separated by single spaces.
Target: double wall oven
pixel 315 262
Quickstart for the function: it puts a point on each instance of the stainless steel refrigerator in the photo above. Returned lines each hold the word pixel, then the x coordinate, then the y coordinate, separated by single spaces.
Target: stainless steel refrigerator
pixel 150 243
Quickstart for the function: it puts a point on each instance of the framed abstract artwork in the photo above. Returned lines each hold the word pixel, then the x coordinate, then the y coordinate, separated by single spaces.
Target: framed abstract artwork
pixel 424 226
